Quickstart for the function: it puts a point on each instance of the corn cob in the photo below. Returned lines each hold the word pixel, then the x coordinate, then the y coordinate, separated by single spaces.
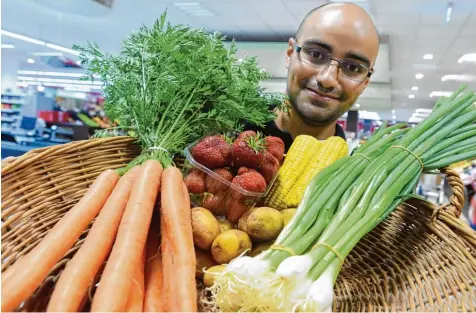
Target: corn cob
pixel 303 149
pixel 333 149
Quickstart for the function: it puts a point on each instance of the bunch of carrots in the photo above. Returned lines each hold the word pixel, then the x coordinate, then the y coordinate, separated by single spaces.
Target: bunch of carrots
pixel 150 263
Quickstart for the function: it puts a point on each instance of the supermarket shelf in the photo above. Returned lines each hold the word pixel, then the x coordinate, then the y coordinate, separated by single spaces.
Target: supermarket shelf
pixel 11 110
pixel 18 102
pixel 9 119
pixel 6 94
pixel 11 98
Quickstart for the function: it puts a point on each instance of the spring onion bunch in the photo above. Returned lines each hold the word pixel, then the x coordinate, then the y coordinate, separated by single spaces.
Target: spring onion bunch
pixel 342 204
pixel 245 282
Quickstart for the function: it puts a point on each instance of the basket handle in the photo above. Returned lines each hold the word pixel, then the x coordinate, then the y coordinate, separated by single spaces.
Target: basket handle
pixel 456 202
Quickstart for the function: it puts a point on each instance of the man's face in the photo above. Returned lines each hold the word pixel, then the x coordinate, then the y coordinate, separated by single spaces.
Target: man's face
pixel 320 95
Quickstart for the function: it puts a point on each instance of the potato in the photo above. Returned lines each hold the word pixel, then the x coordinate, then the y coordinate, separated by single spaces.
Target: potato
pixel 287 215
pixel 204 261
pixel 209 276
pixel 243 218
pixel 205 227
pixel 230 244
pixel 225 225
pixel 257 249
pixel 264 223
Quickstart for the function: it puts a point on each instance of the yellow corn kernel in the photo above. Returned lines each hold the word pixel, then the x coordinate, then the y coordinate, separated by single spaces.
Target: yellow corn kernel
pixel 303 149
pixel 333 149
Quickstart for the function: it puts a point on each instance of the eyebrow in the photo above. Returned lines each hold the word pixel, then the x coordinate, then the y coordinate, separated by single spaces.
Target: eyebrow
pixel 319 43
pixel 348 55
pixel 355 55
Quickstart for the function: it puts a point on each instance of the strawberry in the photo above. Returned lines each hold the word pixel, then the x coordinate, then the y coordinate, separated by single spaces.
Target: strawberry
pixel 250 181
pixel 236 209
pixel 269 167
pixel 216 203
pixel 245 134
pixel 214 185
pixel 247 150
pixel 243 170
pixel 275 146
pixel 212 152
pixel 195 181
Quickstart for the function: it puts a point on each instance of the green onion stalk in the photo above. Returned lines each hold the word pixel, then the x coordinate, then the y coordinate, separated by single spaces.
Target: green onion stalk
pixel 343 203
pixel 389 179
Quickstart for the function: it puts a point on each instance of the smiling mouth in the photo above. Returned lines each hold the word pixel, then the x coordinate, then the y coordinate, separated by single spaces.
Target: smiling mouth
pixel 322 95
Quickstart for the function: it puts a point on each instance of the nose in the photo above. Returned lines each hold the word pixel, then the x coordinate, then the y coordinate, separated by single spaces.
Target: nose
pixel 327 76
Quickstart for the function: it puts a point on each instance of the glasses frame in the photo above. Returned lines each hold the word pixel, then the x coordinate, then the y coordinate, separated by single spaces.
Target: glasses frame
pixel 299 49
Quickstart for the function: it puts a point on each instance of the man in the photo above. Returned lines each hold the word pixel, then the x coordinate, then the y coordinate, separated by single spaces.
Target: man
pixel 329 65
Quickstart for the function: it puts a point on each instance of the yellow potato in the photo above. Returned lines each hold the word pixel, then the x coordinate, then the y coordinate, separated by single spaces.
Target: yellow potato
pixel 287 215
pixel 243 218
pixel 230 244
pixel 204 261
pixel 205 227
pixel 209 276
pixel 257 249
pixel 225 225
pixel 264 223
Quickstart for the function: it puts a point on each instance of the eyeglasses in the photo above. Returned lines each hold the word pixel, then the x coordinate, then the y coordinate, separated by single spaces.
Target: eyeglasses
pixel 317 57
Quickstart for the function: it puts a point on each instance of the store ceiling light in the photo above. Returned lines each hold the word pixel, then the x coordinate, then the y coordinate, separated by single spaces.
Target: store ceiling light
pixel 428 56
pixel 7 46
pixel 357 105
pixel 31 61
pixel 40 88
pixel 419 76
pixel 38 42
pixel 415 88
pixel 449 10
pixel 440 94
pixel 461 78
pixel 470 57
pixel 411 96
pixel 394 117
pixel 21 37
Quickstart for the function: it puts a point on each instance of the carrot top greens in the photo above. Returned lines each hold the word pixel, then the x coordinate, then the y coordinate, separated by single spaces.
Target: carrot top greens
pixel 171 84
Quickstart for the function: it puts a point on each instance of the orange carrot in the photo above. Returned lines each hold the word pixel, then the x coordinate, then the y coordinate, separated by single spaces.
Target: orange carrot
pixel 179 283
pixel 135 302
pixel 30 271
pixel 116 281
pixel 154 299
pixel 81 270
pixel 167 257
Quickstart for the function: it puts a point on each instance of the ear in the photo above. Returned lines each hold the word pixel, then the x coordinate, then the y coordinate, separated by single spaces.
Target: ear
pixel 290 50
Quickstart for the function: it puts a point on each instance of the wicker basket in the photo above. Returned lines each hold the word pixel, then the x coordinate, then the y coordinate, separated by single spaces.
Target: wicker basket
pixel 421 258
